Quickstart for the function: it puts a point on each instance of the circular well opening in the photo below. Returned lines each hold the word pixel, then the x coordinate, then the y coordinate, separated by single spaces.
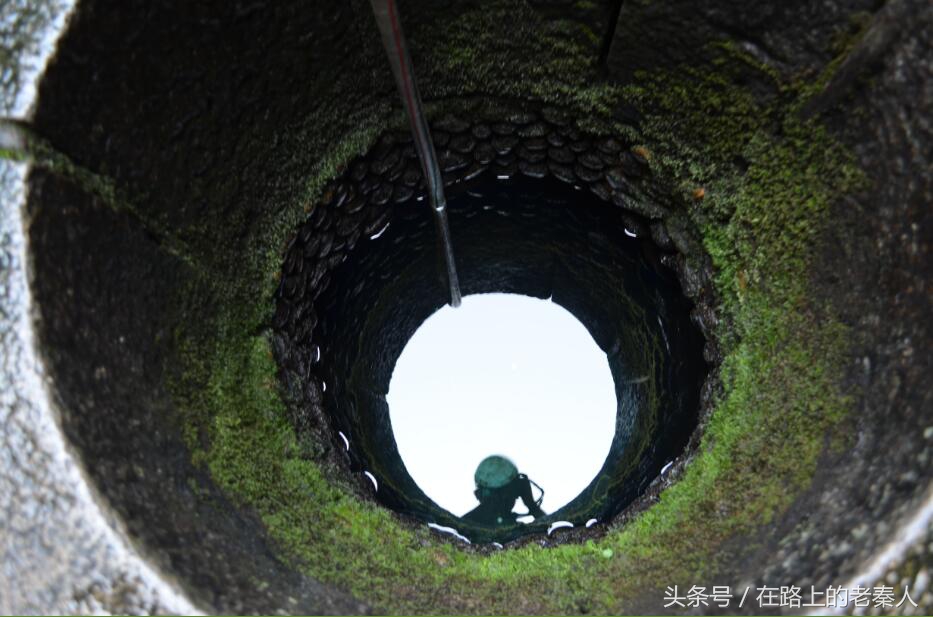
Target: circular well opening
pixel 345 321
pixel 502 374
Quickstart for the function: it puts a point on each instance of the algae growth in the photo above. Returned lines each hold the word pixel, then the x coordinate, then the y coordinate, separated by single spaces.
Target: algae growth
pixel 767 181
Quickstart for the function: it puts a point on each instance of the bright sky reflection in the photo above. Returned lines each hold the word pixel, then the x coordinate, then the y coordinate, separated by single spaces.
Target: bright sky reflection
pixel 502 374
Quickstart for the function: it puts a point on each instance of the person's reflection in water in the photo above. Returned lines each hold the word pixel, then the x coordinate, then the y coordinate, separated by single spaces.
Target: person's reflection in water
pixel 498 485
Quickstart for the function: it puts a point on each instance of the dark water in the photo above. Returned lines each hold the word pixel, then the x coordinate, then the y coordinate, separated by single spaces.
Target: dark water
pixel 540 238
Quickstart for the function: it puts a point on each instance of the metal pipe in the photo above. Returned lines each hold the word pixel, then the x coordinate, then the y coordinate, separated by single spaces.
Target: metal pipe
pixel 393 40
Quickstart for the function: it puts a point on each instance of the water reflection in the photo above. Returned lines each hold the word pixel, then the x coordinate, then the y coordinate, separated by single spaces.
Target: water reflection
pixel 498 486
pixel 590 412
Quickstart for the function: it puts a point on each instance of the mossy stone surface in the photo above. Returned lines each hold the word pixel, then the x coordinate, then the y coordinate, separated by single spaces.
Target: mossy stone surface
pixel 748 185
pixel 777 405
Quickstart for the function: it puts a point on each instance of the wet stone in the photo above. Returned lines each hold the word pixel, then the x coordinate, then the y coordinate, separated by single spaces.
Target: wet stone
pixel 402 137
pixel 319 216
pixel 601 189
pixel 681 238
pixel 381 195
pixel 609 145
pixel 521 118
pixel 379 219
pixel 533 130
pixel 586 174
pixel 402 193
pixel 704 317
pixel 280 346
pixel 660 236
pixel 452 161
pixel 387 162
pixel 532 170
pixel 535 143
pixel 473 171
pixel 484 154
pixel 368 183
pixel 292 262
pixel 358 171
pixel 556 139
pixel 299 310
pixel 557 117
pixel 616 178
pixel 570 133
pixel 503 144
pixel 440 138
pixel 291 287
pixel 620 199
pixel 334 260
pixel 305 330
pixel 462 143
pixel 579 146
pixel 639 157
pixel 299 262
pixel 561 155
pixel 633 165
pixel 503 128
pixel 280 318
pixel 386 141
pixel 691 280
pixel 635 226
pixel 591 161
pixel 355 205
pixel 628 114
pixel 609 159
pixel 317 275
pixel 673 261
pixel 341 195
pixel 561 172
pixel 396 172
pixel 481 131
pixel 312 245
pixel 352 237
pixel 451 124
pixel 532 156
pixel 711 353
pixel 412 175
pixel 327 241
pixel 506 168
pixel 646 208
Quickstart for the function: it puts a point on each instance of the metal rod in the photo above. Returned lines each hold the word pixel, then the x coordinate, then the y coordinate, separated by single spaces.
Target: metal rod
pixel 393 40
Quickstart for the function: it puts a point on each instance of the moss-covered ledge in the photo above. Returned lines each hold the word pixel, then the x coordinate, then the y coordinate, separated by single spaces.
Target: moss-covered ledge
pixel 758 183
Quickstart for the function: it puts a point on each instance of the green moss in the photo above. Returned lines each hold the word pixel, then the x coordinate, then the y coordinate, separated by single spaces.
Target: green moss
pixel 26 146
pixel 758 221
pixel 842 44
pixel 507 49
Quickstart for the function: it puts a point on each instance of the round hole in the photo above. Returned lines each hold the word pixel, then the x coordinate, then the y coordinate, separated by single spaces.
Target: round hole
pixel 538 242
pixel 503 374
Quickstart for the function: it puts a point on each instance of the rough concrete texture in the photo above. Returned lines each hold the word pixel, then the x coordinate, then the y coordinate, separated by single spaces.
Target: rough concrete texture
pixel 61 551
pixel 222 125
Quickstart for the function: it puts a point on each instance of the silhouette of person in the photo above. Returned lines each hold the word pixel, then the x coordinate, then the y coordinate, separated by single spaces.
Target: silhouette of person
pixel 498 485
